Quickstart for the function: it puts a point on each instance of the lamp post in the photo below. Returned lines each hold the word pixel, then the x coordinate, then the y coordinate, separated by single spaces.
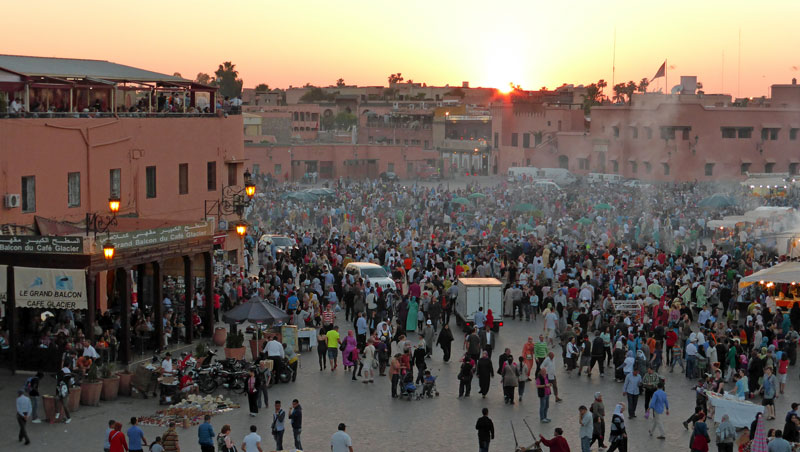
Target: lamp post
pixel 97 223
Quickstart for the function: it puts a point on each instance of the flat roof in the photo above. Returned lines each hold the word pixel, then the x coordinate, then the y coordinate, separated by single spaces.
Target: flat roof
pixel 79 68
pixel 480 281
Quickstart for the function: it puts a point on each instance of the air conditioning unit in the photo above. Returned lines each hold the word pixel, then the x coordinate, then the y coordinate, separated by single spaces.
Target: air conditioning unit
pixel 12 201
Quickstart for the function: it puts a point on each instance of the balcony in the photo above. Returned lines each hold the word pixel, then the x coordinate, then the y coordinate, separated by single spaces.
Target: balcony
pixel 449 144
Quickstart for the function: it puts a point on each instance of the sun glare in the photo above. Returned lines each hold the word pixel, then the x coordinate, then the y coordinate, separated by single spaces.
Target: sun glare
pixel 505 89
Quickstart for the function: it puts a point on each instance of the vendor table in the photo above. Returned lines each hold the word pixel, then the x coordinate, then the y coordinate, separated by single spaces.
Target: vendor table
pixel 741 412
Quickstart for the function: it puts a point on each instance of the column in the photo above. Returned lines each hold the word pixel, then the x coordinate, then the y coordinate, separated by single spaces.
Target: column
pixel 140 298
pixel 124 292
pixel 208 316
pixel 158 316
pixel 11 320
pixel 91 311
pixel 188 296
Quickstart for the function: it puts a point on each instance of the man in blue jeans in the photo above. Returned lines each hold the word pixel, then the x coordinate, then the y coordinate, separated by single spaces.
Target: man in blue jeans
pixel 277 425
pixel 485 428
pixel 296 417
pixel 205 435
pixel 587 428
pixel 631 389
pixel 136 439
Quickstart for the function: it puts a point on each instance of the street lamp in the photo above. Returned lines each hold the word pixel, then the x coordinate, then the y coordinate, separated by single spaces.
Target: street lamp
pixel 108 250
pixel 241 229
pixel 249 186
pixel 113 204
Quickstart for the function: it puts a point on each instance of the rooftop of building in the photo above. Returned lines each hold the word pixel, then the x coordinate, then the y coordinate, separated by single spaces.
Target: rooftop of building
pixel 33 66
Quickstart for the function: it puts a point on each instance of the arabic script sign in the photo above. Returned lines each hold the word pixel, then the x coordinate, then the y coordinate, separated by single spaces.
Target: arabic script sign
pixel 122 240
pixel 41 244
pixel 50 288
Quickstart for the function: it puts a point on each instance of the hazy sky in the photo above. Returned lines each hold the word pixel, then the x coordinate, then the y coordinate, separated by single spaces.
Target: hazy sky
pixel 533 43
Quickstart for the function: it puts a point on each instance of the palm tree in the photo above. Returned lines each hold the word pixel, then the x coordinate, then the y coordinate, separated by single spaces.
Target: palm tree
pixel 619 93
pixel 630 88
pixel 600 85
pixel 643 84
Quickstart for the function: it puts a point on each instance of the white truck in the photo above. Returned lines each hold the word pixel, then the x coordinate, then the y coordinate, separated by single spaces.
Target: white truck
pixel 474 293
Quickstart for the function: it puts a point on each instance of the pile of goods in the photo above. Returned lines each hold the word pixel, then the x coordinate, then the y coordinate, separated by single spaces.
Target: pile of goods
pixel 190 411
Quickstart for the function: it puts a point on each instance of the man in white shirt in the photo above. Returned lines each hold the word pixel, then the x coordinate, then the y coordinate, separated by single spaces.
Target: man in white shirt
pixel 252 442
pixel 166 364
pixel 90 351
pixel 24 410
pixel 274 350
pixel 340 441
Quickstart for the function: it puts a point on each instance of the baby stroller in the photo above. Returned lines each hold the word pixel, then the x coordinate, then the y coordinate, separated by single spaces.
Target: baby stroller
pixel 408 390
pixel 429 390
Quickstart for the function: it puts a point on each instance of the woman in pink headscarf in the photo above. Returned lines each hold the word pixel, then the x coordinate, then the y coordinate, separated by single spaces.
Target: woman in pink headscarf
pixel 349 346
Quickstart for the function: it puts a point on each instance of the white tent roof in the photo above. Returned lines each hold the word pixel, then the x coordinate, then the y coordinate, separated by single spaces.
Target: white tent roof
pixel 767 212
pixel 783 273
pixel 729 222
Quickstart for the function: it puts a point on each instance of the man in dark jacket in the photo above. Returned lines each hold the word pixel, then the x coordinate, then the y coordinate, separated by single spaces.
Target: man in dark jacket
pixel 598 354
pixel 296 417
pixel 485 429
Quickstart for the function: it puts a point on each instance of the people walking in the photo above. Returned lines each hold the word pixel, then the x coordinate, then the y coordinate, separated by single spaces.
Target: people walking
pixel 170 440
pixel 557 443
pixel 341 441
pixel 296 418
pixel 465 376
pixel 510 379
pixel 485 372
pixel 24 410
pixel 252 392
pixel 586 428
pixel 278 428
pixel 522 376
pixel 659 406
pixel 725 434
pixel 699 440
pixel 598 411
pixel 618 436
pixel 117 439
pixel 445 341
pixel 485 428
pixel 205 435
pixel 136 439
pixel 252 442
pixel 543 388
pixel 630 389
pixel 263 377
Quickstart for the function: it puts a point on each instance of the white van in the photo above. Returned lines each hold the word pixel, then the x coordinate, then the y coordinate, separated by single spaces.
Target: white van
pixel 596 178
pixel 376 274
pixel 515 173
pixel 560 176
pixel 474 293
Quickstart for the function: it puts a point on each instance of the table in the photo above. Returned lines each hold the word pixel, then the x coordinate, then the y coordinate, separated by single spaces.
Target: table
pixel 307 335
pixel 740 412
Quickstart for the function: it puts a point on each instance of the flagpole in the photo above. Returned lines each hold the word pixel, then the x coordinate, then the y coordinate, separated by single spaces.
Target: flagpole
pixel 666 77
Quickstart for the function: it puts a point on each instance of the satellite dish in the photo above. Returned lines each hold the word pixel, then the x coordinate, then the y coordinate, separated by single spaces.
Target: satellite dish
pixel 676 89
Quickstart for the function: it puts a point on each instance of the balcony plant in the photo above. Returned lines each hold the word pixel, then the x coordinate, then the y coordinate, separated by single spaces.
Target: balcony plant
pixel 234 347
pixel 110 382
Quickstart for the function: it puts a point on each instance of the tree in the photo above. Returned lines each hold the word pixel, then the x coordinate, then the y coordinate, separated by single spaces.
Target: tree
pixel 262 88
pixel 340 82
pixel 600 85
pixel 630 88
pixel 316 94
pixel 410 82
pixel 204 79
pixel 230 85
pixel 420 96
pixel 395 78
pixel 177 74
pixel 456 92
pixel 619 93
pixel 591 98
pixel 345 120
pixel 389 93
pixel 643 84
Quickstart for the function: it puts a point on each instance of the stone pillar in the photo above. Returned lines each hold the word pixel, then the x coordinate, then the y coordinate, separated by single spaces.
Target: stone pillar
pixel 91 311
pixel 158 315
pixel 188 296
pixel 11 320
pixel 124 290
pixel 208 315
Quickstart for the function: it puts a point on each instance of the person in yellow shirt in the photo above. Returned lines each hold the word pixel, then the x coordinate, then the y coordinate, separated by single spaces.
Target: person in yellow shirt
pixel 333 347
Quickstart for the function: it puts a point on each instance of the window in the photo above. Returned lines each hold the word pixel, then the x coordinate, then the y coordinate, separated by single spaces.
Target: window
pixel 583 163
pixel 769 167
pixel 114 183
pixel 537 139
pixel 667 133
pixel 709 169
pixel 29 194
pixel 211 176
pixel 527 162
pixel 744 168
pixel 426 143
pixel 649 132
pixel 369 140
pixel 256 169
pixel 769 134
pixel 73 189
pixel 614 166
pixel 666 168
pixel 634 132
pixel 685 133
pixel 728 132
pixel 616 131
pixel 183 178
pixel 526 140
pixel 496 140
pixel 634 167
pixel 150 184
pixel 233 178
pixel 277 169
pixel 793 168
pixel 514 140
pixel 793 134
pixel 745 132
pixel 647 167
pixel 390 168
pixel 563 161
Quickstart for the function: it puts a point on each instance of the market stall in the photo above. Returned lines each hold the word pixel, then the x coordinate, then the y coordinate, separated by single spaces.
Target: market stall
pixel 780 281
pixel 740 412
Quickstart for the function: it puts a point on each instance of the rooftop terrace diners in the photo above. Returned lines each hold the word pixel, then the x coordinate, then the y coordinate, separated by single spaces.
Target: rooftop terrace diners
pixel 34 87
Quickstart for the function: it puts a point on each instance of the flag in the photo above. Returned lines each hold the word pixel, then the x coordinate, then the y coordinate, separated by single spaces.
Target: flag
pixel 662 71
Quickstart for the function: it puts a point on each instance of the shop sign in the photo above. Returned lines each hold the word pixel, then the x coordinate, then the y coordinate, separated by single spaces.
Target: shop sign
pixel 50 288
pixel 157 236
pixel 41 244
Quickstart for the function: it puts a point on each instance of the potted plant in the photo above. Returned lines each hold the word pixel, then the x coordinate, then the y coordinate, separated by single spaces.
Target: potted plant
pixel 234 347
pixel 91 387
pixel 74 400
pixel 110 382
pixel 220 335
pixel 257 342
pixel 200 352
pixel 125 377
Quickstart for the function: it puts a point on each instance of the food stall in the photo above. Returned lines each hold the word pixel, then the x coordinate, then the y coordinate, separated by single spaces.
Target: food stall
pixel 740 412
pixel 780 281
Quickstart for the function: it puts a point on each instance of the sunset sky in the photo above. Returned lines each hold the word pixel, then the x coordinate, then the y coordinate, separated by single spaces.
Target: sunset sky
pixel 528 42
